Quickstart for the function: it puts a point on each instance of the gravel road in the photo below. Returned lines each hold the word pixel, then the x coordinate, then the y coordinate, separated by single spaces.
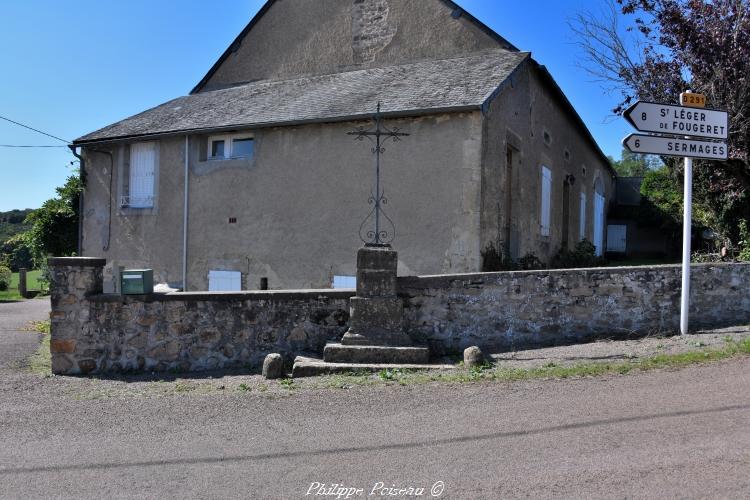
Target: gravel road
pixel 643 435
pixel 649 435
pixel 16 342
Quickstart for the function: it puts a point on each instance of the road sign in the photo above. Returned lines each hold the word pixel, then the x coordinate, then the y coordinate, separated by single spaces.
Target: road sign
pixel 678 120
pixel 692 100
pixel 675 146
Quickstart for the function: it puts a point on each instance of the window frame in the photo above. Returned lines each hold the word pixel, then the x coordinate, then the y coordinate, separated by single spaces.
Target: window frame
pixel 545 209
pixel 583 206
pixel 149 200
pixel 229 146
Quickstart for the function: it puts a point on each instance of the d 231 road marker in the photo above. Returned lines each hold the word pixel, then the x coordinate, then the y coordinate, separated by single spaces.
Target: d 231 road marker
pixel 674 146
pixel 678 120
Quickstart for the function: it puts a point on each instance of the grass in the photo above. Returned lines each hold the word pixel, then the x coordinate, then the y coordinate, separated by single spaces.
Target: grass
pixel 547 371
pixel 32 283
pixel 41 361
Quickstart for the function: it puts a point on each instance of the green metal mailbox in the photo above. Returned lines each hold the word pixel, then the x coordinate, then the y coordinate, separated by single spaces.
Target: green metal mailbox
pixel 137 281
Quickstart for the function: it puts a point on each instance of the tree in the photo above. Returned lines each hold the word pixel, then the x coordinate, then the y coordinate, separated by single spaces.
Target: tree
pixel 671 46
pixel 16 253
pixel 54 226
pixel 634 164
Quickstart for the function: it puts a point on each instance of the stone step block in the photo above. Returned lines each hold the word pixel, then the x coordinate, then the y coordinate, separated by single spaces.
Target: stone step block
pixel 309 367
pixel 375 354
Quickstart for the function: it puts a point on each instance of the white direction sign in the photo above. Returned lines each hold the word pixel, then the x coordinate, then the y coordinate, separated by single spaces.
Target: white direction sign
pixel 674 146
pixel 678 120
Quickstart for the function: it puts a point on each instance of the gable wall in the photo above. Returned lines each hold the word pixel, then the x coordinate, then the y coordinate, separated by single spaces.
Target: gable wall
pixel 312 37
pixel 519 118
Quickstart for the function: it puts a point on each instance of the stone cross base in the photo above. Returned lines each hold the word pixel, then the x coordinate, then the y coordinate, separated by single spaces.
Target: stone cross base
pixel 376 325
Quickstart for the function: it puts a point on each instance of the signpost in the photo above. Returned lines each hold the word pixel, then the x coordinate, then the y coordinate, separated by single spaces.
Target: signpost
pixel 675 146
pixel 688 121
pixel 677 120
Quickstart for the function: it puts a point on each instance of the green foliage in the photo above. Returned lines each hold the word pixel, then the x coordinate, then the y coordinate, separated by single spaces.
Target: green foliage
pixel 12 223
pixel 634 164
pixel 530 262
pixel 16 253
pixel 744 254
pixel 494 260
pixel 54 228
pixel 583 255
pixel 663 190
pixel 5 276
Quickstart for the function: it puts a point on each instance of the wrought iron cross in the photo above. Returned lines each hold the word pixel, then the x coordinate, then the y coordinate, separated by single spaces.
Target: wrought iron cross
pixel 378 236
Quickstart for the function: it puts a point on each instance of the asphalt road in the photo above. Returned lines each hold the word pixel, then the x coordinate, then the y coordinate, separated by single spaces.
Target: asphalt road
pixel 16 343
pixel 649 435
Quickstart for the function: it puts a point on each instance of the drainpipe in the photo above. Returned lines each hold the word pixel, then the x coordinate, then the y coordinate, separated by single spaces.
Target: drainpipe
pixel 185 220
pixel 81 176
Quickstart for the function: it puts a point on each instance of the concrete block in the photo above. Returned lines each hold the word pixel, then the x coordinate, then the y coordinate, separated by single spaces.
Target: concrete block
pixel 377 258
pixel 358 354
pixel 376 283
pixel 273 366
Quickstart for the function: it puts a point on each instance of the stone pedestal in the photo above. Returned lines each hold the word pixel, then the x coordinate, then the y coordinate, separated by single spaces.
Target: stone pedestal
pixel 74 279
pixel 376 325
pixel 22 290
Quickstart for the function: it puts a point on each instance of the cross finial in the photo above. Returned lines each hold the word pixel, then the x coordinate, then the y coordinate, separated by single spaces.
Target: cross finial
pixel 377 236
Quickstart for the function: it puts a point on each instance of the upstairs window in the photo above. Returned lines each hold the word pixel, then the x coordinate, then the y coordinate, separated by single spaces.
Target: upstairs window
pixel 226 147
pixel 140 192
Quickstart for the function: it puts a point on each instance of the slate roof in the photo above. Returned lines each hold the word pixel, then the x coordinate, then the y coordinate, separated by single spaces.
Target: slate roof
pixel 418 88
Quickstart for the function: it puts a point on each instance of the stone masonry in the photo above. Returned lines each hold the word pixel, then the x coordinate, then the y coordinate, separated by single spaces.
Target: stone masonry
pixel 99 333
pixel 512 310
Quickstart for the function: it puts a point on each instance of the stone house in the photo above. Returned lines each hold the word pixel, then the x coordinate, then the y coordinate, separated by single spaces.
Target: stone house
pixel 252 175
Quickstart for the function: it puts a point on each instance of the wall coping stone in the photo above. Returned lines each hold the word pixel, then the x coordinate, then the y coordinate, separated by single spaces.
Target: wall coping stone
pixel 76 261
pixel 445 280
pixel 226 296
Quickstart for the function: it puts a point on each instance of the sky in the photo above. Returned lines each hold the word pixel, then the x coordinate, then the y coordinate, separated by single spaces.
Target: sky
pixel 69 68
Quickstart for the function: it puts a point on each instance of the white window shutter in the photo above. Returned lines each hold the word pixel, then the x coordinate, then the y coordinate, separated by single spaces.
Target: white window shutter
pixel 142 170
pixel 599 223
pixel 582 217
pixel 224 281
pixel 546 201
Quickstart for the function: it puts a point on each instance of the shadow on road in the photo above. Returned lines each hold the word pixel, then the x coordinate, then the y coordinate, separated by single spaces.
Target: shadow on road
pixel 366 449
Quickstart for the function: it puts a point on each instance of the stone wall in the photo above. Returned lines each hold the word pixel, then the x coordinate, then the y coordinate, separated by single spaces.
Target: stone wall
pixel 94 332
pixel 505 311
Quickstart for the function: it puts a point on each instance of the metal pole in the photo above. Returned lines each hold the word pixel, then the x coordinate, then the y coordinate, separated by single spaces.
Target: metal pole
pixel 686 236
pixel 377 184
pixel 185 214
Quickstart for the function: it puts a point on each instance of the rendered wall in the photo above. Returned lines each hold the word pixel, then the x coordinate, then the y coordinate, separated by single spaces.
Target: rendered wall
pixel 298 205
pixel 347 35
pixel 518 118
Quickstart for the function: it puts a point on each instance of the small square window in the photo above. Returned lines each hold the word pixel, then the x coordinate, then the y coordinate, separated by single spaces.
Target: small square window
pixel 243 147
pixel 217 148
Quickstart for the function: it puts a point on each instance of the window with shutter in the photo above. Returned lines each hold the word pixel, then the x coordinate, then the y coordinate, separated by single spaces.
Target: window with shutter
pixel 142 170
pixel 583 216
pixel 546 207
pixel 599 223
